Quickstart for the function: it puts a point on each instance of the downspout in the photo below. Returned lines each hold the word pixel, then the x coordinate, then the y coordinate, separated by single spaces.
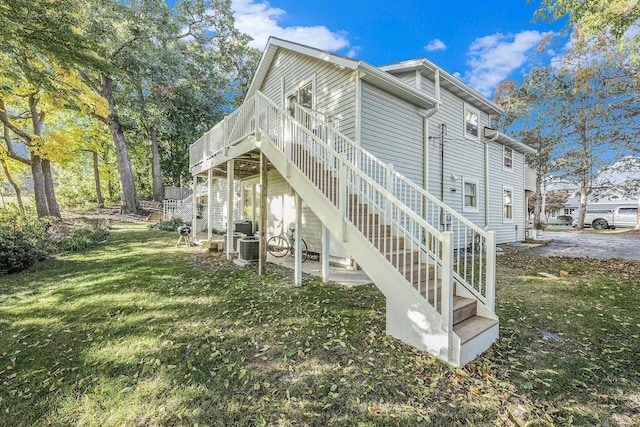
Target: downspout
pixel 486 178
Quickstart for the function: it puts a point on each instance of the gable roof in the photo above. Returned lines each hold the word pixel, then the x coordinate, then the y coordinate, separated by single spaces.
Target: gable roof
pixel 447 81
pixel 368 72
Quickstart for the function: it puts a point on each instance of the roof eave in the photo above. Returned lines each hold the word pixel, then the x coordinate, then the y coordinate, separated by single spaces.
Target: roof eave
pixel 494 135
pixel 425 64
pixel 395 86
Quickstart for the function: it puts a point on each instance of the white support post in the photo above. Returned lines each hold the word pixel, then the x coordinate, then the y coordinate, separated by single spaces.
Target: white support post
pixel 253 206
pixel 230 213
pixel 194 207
pixel 446 300
pixel 298 243
pixel 342 199
pixel 242 218
pixel 286 125
pixel 225 129
pixel 209 204
pixel 324 257
pixel 490 285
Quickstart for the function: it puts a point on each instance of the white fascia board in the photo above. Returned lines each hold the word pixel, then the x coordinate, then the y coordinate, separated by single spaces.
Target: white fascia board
pixel 508 141
pixel 393 85
pixel 416 64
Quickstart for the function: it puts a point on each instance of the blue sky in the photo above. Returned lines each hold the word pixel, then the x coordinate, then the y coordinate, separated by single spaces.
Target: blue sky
pixel 481 42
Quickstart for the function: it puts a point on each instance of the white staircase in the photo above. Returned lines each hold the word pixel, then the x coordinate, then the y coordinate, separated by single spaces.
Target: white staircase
pixel 435 268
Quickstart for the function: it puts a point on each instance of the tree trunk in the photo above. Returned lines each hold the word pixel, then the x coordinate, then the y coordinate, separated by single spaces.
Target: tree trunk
pixel 584 193
pixel 49 188
pixel 15 186
pixel 38 186
pixel 96 180
pixel 537 202
pixel 128 193
pixel 156 171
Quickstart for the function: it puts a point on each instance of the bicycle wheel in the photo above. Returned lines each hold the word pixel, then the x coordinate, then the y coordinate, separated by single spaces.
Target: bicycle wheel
pixel 305 251
pixel 278 246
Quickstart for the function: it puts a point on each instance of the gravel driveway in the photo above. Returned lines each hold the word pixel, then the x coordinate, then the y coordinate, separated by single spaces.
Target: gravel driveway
pixel 601 245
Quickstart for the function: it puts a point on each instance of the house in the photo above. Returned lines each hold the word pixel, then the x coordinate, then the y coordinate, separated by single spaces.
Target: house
pixel 394 168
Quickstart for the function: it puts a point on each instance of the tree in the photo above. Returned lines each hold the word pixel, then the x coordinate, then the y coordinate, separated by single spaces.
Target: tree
pixel 596 121
pixel 531 111
pixel 593 18
pixel 152 51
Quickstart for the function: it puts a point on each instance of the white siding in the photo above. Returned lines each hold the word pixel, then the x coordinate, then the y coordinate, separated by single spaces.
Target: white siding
pixel 335 93
pixel 465 159
pixel 499 178
pixel 281 207
pixel 393 131
pixel 219 212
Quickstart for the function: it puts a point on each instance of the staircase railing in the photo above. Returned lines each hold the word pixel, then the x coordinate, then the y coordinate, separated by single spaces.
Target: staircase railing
pixel 412 246
pixel 347 176
pixel 474 248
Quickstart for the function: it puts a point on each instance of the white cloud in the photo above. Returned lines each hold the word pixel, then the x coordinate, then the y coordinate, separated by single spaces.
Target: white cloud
pixel 435 44
pixel 260 21
pixel 493 58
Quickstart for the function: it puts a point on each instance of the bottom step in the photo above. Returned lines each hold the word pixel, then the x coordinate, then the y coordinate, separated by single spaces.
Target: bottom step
pixel 472 327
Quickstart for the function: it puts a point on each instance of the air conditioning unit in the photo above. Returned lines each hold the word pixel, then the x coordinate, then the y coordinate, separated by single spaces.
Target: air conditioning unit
pixel 248 249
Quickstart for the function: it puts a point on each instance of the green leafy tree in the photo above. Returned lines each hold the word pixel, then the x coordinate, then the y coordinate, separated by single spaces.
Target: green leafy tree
pixel 593 18
pixel 531 112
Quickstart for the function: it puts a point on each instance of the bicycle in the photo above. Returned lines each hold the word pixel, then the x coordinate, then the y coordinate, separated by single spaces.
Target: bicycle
pixel 284 244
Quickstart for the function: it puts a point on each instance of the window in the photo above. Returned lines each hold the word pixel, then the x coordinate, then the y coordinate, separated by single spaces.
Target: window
pixel 507 204
pixel 628 211
pixel 471 123
pixel 303 96
pixel 569 211
pixel 470 195
pixel 507 156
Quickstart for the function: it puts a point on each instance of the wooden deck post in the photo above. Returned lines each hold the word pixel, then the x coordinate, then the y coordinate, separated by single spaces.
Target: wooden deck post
pixel 262 255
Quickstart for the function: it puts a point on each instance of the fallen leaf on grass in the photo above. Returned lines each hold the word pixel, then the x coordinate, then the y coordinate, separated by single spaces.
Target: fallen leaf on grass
pixel 374 411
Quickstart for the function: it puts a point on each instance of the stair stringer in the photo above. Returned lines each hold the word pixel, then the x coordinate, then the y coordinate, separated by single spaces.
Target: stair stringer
pixel 410 318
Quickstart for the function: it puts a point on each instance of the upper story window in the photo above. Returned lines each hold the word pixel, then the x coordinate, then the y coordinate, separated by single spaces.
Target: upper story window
pixel 471 123
pixel 303 96
pixel 507 156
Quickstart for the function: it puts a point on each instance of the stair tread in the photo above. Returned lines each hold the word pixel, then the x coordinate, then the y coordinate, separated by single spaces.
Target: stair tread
pixel 472 327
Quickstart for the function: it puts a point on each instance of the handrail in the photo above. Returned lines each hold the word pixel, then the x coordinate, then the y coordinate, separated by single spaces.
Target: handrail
pixel 347 175
pixel 382 164
pixel 466 234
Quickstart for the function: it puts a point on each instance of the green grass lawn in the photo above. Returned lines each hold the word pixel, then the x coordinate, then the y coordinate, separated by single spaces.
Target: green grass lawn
pixel 137 332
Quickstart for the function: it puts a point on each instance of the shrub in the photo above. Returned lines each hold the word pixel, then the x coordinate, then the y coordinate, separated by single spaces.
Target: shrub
pixel 169 224
pixel 23 238
pixel 77 236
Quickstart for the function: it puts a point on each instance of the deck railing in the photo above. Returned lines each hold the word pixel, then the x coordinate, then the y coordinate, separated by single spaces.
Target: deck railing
pixel 363 188
pixel 474 248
